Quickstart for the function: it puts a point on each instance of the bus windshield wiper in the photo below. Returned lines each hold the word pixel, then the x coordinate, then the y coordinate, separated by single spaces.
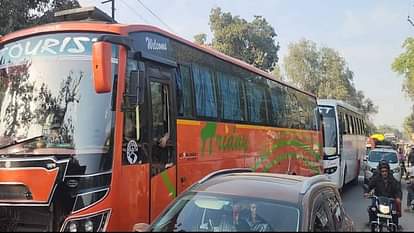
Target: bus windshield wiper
pixel 26 140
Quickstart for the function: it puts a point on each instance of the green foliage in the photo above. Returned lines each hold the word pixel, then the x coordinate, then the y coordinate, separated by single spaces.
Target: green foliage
pixel 200 39
pixel 383 129
pixel 404 65
pixel 252 42
pixel 324 72
pixel 277 73
pixel 408 124
pixel 19 14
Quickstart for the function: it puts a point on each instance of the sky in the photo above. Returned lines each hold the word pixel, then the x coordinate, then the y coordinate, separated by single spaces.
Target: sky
pixel 368 34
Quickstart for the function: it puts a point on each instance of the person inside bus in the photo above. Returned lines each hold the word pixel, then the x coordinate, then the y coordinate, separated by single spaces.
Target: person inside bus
pixel 163 141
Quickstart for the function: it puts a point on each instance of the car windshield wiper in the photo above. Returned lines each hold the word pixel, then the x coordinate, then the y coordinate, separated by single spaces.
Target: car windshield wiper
pixel 26 140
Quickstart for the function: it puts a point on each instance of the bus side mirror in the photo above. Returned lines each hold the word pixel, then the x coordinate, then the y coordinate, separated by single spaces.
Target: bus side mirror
pixel 134 94
pixel 101 66
pixel 133 89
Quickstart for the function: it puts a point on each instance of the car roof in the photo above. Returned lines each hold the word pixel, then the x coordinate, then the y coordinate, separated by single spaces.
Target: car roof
pixel 385 150
pixel 287 188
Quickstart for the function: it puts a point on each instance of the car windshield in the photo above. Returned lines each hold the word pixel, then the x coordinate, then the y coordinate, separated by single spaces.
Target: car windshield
pixel 376 156
pixel 46 89
pixel 330 130
pixel 211 212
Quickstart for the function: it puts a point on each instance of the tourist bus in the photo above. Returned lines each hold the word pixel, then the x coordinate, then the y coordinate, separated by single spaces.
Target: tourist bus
pixel 344 141
pixel 103 124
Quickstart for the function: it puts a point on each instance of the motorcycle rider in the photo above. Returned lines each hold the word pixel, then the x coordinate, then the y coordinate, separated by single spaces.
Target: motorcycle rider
pixel 410 192
pixel 401 159
pixel 385 185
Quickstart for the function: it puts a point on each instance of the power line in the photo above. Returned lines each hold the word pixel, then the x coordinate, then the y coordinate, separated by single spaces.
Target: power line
pixel 409 13
pixel 136 12
pixel 112 7
pixel 155 15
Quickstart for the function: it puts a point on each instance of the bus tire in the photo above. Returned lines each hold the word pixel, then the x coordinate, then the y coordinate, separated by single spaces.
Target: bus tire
pixel 355 181
pixel 343 180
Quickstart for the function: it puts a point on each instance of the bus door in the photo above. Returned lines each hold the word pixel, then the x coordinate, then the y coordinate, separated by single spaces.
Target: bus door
pixel 162 136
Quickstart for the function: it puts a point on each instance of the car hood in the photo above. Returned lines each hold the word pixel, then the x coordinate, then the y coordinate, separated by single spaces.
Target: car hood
pixel 375 165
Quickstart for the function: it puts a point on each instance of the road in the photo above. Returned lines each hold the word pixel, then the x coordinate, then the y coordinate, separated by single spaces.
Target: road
pixel 356 207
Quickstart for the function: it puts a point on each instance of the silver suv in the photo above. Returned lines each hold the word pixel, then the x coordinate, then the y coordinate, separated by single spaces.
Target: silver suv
pixel 239 200
pixel 377 155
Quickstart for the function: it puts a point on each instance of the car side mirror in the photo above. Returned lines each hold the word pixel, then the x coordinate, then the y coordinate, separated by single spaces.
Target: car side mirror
pixel 141 227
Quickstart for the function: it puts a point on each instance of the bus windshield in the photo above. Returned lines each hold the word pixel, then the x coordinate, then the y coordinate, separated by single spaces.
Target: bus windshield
pixel 330 130
pixel 46 89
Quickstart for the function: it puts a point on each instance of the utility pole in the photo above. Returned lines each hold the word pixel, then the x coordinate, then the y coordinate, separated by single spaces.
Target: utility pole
pixel 410 21
pixel 113 8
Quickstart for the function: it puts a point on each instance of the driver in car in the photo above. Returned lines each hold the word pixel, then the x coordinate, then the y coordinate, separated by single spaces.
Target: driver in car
pixel 255 222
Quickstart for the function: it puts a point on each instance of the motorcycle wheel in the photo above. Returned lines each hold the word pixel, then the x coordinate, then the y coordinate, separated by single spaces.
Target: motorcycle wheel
pixel 376 228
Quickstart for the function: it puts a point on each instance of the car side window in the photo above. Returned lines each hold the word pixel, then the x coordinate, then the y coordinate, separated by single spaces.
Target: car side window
pixel 321 219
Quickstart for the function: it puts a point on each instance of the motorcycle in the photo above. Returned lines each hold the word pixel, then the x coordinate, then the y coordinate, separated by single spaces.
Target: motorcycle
pixel 385 211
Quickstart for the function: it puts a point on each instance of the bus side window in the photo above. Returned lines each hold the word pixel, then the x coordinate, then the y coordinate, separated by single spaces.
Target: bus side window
pixel 231 97
pixel 130 125
pixel 256 102
pixel 205 92
pixel 184 92
pixel 344 124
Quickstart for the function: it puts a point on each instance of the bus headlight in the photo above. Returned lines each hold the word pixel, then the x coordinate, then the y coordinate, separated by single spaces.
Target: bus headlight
pixel 89 226
pixel 92 223
pixel 73 227
pixel 330 170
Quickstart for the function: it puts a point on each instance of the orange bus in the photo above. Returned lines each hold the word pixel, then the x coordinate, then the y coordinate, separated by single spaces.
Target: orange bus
pixel 103 124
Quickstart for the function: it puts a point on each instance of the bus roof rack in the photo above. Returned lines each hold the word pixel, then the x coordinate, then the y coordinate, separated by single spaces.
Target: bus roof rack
pixel 311 181
pixel 223 172
pixel 84 13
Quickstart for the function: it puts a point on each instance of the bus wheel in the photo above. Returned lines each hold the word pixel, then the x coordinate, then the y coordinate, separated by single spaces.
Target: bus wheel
pixel 343 180
pixel 355 181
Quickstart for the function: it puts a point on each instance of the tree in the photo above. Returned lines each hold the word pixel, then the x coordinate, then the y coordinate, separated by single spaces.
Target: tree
pixel 200 38
pixel 301 65
pixel 404 65
pixel 252 42
pixel 384 129
pixel 277 73
pixel 324 72
pixel 409 125
pixel 19 14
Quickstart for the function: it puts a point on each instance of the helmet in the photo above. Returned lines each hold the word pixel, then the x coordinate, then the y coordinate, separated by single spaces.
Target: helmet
pixel 383 164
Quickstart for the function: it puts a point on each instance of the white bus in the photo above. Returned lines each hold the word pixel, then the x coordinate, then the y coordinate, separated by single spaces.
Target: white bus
pixel 344 141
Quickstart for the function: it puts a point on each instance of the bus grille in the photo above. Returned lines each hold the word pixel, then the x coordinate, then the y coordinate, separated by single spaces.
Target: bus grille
pixel 24 219
pixel 15 192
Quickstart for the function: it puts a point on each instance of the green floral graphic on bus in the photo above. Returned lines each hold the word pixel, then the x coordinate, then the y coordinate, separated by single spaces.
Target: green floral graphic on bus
pixel 229 142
